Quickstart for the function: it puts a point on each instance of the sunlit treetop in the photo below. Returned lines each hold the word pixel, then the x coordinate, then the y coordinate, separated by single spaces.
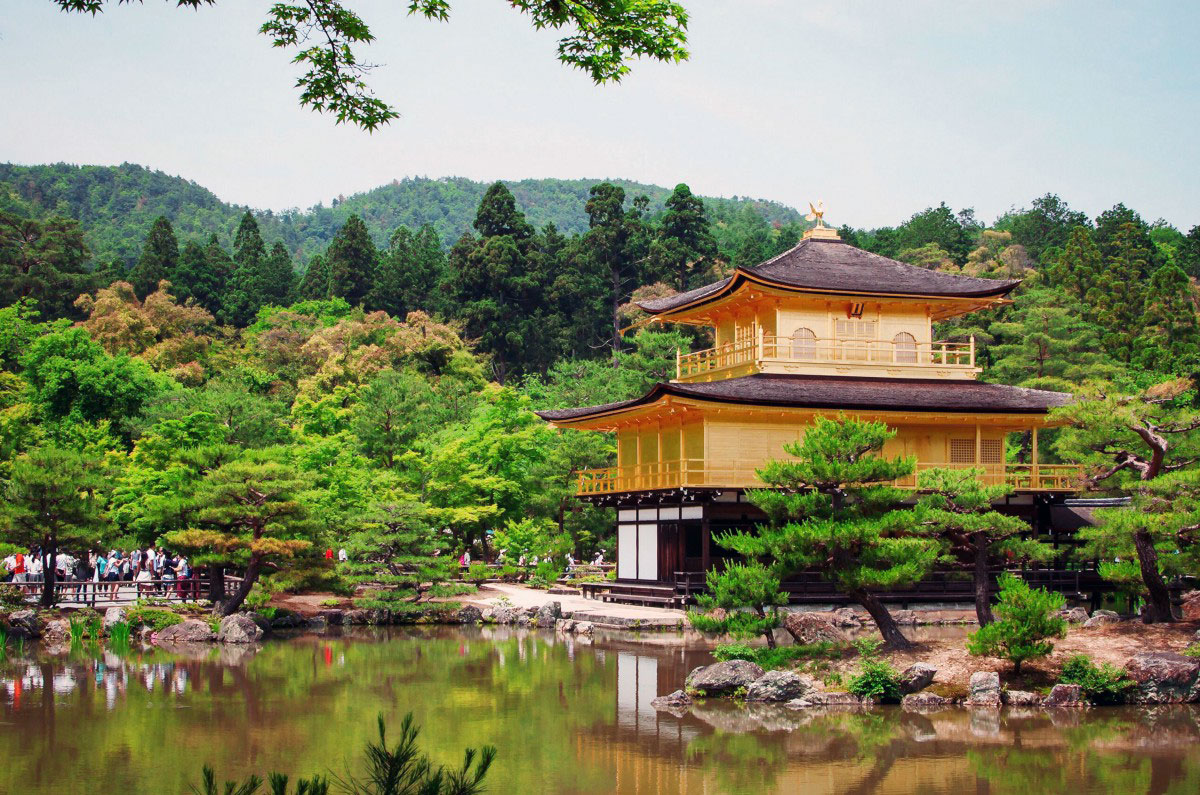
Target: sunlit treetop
pixel 604 35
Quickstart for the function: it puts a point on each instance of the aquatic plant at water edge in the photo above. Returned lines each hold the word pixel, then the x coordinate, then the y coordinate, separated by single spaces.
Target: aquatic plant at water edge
pixel 95 627
pixel 76 626
pixel 118 634
pixel 3 643
pixel 401 769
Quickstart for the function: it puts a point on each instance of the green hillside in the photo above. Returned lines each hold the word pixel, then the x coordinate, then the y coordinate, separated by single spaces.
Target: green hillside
pixel 118 204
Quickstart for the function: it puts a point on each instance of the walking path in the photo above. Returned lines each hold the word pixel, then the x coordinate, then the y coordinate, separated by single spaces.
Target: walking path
pixel 581 609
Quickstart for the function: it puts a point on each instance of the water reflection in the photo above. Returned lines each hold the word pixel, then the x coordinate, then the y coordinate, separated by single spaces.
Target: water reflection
pixel 569 715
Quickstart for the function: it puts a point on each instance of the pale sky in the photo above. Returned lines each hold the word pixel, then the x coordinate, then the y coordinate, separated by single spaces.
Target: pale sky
pixel 879 108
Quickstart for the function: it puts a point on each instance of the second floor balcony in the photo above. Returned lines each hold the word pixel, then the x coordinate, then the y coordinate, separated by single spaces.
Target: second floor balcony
pixel 901 356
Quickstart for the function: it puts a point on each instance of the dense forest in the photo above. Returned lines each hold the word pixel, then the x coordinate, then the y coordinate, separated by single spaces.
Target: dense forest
pixel 379 390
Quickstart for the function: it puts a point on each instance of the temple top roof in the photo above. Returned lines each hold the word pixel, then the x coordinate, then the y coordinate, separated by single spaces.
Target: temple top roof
pixel 825 265
pixel 836 392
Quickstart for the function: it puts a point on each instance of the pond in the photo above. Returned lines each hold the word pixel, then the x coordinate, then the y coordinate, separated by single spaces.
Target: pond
pixel 567 715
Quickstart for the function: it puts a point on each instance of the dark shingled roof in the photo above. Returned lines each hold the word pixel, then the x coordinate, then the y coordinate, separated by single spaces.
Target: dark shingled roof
pixel 840 267
pixel 838 392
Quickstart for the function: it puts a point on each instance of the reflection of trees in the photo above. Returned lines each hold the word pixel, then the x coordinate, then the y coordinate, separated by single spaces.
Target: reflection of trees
pixel 740 762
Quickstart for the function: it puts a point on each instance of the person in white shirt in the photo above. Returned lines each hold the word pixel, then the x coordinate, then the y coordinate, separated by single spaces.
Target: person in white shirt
pixel 342 556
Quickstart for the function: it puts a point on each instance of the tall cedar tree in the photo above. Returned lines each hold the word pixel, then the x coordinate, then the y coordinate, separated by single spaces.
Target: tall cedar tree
pixel 1188 255
pixel 43 260
pixel 684 241
pixel 247 286
pixel 314 286
pixel 617 241
pixel 1078 268
pixel 52 500
pixel 409 272
pixel 829 510
pixel 213 292
pixel 352 257
pixel 1114 238
pixel 159 259
pixel 1132 439
pixel 1170 341
pixel 249 512
pixel 1119 295
pixel 955 508
pixel 279 277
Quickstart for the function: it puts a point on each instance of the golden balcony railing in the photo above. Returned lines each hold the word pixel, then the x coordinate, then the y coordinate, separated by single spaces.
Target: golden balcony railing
pixel 766 348
pixel 696 473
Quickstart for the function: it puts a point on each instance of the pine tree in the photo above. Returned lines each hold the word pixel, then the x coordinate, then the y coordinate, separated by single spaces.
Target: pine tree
pixel 683 241
pixel 314 286
pixel 1120 229
pixel 159 259
pixel 1170 341
pixel 1028 617
pixel 1188 255
pixel 352 257
pixel 829 510
pixel 45 261
pixel 279 277
pixel 1044 343
pixel 1118 296
pixel 1079 266
pixel 743 600
pixel 247 289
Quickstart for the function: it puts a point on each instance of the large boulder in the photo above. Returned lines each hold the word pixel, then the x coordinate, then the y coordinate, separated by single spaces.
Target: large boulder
pixel 113 615
pixel 924 702
pixel 723 678
pixel 504 615
pixel 584 628
pixel 1102 618
pixel 469 614
pixel 1076 615
pixel 672 701
pixel 1191 606
pixel 905 617
pixel 984 689
pixel 779 686
pixel 1066 696
pixel 358 617
pixel 239 629
pixel 846 618
pixel 286 619
pixel 808 628
pixel 917 676
pixel 1022 698
pixel 1163 678
pixel 565 626
pixel 56 632
pixel 25 623
pixel 547 614
pixel 190 631
pixel 333 617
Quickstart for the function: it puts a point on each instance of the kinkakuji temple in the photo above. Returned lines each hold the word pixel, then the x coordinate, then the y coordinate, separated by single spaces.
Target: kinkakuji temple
pixel 824 329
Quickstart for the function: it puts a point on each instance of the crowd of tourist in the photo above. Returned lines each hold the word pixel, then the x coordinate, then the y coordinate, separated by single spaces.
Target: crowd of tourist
pixel 97 575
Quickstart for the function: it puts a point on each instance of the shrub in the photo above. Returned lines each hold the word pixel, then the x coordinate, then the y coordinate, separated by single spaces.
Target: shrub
pixel 876 678
pixel 1028 616
pixel 477 572
pixel 258 597
pixel 782 657
pixel 153 618
pixel 330 602
pixel 1193 650
pixel 545 575
pixel 268 613
pixel 11 597
pixel 1105 684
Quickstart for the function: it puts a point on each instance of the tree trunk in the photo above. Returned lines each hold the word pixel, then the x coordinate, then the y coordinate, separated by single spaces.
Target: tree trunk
pixel 1159 604
pixel 48 575
pixel 216 583
pixel 769 633
pixel 983 584
pixel 227 607
pixel 888 627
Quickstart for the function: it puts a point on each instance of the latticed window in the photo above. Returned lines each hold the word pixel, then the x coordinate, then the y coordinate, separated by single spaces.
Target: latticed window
pixel 851 329
pixel 991 451
pixel 904 348
pixel 804 344
pixel 962 451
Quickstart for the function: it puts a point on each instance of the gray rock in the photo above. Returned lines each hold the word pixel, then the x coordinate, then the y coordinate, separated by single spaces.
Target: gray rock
pixel 846 617
pixel 547 614
pixel 984 689
pixel 317 623
pixel 25 623
pixel 524 621
pixel 190 631
pixel 357 617
pixel 505 615
pixel 1066 696
pixel 672 701
pixel 286 619
pixel 905 617
pixel 1101 618
pixel 239 629
pixel 1076 615
pixel 469 614
pixel 1022 698
pixel 113 615
pixel 723 678
pixel 924 702
pixel 564 625
pixel 56 633
pixel 334 617
pixel 260 620
pixel 584 628
pixel 809 627
pixel 1163 678
pixel 917 676
pixel 779 686
pixel 822 698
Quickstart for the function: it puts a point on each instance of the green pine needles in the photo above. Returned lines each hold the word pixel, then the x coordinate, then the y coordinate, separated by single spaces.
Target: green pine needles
pixel 1028 618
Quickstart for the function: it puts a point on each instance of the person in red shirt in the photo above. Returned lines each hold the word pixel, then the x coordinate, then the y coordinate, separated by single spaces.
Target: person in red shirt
pixel 329 554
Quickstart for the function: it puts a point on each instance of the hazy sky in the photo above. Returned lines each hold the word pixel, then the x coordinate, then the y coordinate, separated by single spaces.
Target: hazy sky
pixel 880 108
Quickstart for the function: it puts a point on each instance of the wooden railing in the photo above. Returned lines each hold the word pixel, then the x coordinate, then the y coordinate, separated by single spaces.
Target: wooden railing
pixel 743 474
pixel 769 348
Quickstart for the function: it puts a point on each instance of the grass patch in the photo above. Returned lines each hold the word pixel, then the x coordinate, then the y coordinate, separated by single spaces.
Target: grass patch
pixel 153 618
pixel 1193 650
pixel 782 656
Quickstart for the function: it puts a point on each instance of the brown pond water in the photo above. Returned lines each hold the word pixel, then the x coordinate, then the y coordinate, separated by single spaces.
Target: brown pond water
pixel 567 716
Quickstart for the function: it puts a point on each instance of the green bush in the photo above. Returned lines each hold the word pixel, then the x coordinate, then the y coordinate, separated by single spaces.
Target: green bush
pixel 11 597
pixel 1105 684
pixel 268 613
pixel 1028 616
pixel 477 572
pixel 780 657
pixel 876 678
pixel 153 618
pixel 1193 650
pixel 545 574
pixel 257 598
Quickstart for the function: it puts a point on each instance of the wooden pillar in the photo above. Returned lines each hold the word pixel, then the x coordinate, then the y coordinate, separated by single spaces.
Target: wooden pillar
pixel 705 544
pixel 978 445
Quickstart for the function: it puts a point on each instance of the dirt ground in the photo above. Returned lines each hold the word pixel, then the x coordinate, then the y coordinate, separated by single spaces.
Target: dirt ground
pixel 1114 644
pixel 310 604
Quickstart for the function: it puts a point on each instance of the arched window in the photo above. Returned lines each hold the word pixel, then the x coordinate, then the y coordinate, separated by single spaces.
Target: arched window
pixel 804 344
pixel 904 348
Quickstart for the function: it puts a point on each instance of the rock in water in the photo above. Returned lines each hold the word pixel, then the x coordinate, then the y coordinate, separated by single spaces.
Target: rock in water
pixel 917 676
pixel 113 615
pixel 25 623
pixel 1163 677
pixel 190 631
pixel 779 686
pixel 547 614
pixel 584 628
pixel 808 628
pixel 984 689
pixel 239 629
pixel 846 617
pixel 723 678
pixel 672 701
pixel 1022 698
pixel 1066 696
pixel 924 702
pixel 469 614
pixel 56 632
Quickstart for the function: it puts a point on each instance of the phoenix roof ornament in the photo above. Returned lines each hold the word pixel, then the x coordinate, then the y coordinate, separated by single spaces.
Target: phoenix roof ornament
pixel 817 212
